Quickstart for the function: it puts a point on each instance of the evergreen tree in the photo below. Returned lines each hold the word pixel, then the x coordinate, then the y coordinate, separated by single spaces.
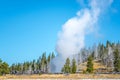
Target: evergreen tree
pixel 90 65
pixel 4 68
pixel 74 66
pixel 49 58
pixel 53 55
pixel 66 68
pixel 63 69
pixel 43 62
pixel 108 44
pixel 116 61
pixel 48 62
pixel 33 65
pixel 38 65
pixel 0 67
pixel 18 67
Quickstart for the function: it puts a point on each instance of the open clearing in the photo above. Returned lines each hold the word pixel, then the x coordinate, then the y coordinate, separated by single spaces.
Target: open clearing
pixel 62 76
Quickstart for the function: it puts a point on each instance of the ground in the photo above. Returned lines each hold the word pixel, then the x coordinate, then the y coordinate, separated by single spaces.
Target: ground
pixel 62 76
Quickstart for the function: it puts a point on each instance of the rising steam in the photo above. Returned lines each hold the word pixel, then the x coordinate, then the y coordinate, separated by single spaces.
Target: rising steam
pixel 72 37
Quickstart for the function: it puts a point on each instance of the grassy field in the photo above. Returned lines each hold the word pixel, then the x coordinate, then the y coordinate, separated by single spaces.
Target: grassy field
pixel 62 76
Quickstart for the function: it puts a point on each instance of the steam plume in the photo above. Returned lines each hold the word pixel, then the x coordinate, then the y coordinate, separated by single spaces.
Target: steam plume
pixel 71 38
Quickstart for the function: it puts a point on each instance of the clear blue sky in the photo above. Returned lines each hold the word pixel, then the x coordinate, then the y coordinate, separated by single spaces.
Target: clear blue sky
pixel 30 27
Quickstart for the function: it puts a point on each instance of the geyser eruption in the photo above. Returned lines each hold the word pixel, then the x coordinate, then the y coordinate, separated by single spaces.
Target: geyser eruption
pixel 71 38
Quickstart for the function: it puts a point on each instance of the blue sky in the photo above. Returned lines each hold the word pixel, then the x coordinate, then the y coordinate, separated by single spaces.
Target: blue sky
pixel 30 27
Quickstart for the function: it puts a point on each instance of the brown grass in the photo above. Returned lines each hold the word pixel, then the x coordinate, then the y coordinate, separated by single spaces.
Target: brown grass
pixel 62 76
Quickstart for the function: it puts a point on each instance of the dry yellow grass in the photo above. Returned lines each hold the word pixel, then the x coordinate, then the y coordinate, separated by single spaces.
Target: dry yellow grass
pixel 97 65
pixel 62 76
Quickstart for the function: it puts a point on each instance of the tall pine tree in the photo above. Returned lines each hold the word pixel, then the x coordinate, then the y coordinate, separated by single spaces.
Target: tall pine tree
pixel 90 65
pixel 66 68
pixel 116 61
pixel 74 66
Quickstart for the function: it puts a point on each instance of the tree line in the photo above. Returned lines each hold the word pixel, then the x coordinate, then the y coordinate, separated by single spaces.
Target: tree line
pixel 108 53
pixel 39 66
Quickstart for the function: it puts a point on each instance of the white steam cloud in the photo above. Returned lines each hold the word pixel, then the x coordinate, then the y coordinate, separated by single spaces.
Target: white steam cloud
pixel 72 37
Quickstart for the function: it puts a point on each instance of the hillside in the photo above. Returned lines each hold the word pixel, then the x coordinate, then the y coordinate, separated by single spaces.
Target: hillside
pixel 97 65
